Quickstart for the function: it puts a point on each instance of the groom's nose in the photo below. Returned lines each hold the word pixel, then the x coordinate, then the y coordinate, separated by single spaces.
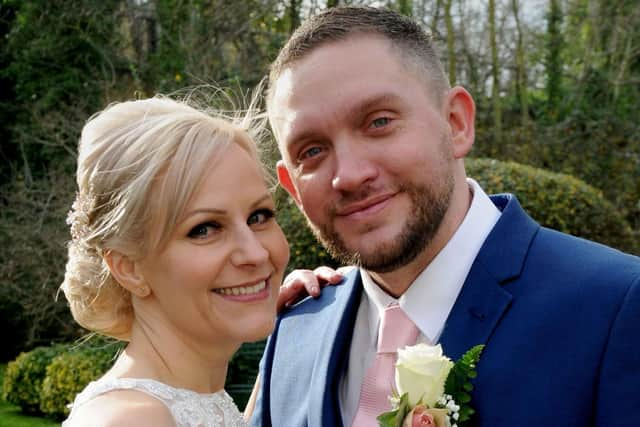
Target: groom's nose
pixel 353 166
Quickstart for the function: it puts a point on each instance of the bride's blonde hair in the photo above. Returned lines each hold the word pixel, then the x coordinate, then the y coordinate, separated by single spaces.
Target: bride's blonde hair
pixel 139 163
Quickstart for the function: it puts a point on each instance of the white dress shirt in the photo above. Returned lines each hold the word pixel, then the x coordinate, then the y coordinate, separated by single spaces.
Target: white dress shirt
pixel 427 302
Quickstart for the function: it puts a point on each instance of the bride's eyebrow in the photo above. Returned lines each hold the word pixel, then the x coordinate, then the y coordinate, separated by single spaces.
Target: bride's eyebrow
pixel 216 211
pixel 261 200
pixel 204 210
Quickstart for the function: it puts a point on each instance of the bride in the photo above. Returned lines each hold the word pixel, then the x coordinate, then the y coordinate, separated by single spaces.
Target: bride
pixel 174 249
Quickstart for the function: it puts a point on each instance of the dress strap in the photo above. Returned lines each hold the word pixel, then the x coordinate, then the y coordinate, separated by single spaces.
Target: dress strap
pixel 188 408
pixel 94 389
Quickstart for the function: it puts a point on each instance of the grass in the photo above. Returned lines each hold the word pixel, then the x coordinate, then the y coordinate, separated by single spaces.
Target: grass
pixel 10 415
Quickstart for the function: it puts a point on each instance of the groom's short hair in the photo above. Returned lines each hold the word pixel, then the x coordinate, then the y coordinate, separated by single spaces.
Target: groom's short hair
pixel 414 44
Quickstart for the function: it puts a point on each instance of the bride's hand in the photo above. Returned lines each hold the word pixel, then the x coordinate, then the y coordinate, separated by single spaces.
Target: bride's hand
pixel 300 283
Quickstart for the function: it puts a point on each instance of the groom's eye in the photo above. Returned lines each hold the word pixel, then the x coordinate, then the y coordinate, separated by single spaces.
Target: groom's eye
pixel 311 152
pixel 380 122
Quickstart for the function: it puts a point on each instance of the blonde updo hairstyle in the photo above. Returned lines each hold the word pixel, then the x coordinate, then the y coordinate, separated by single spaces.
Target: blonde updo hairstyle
pixel 139 164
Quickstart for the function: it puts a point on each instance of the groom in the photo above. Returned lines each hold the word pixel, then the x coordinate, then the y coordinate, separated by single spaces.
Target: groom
pixel 373 141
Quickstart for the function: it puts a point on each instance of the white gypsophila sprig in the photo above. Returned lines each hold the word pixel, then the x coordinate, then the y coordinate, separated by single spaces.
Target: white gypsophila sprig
pixel 453 409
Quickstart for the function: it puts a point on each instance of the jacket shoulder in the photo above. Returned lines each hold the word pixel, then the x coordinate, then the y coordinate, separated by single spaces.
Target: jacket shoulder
pixel 584 258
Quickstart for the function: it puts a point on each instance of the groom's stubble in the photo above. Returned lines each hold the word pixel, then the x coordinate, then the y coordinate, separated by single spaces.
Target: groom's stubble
pixel 430 204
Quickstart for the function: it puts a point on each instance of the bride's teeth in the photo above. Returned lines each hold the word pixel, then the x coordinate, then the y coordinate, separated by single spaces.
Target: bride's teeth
pixel 242 290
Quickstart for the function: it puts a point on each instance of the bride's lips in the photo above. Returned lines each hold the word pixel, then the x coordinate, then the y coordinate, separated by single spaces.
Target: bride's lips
pixel 365 208
pixel 246 292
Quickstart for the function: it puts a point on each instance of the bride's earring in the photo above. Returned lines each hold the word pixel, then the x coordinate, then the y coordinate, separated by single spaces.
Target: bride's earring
pixel 143 291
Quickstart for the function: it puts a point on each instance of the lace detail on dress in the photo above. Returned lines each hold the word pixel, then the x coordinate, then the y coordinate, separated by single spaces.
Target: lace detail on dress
pixel 189 409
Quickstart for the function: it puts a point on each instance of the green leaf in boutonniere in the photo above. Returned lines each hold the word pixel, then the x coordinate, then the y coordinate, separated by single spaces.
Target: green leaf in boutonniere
pixel 458 384
pixel 396 417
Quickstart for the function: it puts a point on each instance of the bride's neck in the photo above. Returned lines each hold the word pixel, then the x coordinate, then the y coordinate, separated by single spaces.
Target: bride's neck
pixel 173 359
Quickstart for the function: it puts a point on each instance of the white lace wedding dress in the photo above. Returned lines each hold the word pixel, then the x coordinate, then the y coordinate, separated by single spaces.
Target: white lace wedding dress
pixel 189 409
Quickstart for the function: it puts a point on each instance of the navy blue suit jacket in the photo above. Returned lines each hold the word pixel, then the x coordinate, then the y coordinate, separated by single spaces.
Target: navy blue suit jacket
pixel 560 317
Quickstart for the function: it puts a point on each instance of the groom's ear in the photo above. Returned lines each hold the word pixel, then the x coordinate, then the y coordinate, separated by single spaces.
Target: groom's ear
pixel 460 114
pixel 285 180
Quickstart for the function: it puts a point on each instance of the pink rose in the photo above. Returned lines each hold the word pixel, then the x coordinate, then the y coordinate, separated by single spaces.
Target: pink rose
pixel 423 417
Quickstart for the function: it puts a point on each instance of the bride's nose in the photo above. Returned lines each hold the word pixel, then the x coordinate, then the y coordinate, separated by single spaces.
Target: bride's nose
pixel 249 249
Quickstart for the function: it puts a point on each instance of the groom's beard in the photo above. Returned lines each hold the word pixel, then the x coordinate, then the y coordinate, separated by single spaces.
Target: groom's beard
pixel 429 206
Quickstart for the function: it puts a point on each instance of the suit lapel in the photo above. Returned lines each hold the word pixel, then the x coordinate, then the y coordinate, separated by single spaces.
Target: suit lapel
pixel 324 406
pixel 483 301
pixel 476 313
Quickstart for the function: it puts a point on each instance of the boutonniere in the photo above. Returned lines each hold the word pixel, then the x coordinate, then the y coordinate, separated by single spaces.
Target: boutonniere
pixel 431 390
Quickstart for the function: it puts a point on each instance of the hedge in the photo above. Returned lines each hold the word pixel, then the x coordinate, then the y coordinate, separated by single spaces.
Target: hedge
pixel 47 379
pixel 557 201
pixel 305 250
pixel 243 370
pixel 22 385
pixel 69 373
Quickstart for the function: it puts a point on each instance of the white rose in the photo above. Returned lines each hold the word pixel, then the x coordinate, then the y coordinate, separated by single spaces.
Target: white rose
pixel 421 371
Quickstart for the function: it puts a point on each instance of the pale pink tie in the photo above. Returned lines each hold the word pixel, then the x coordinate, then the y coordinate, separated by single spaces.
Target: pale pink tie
pixel 396 331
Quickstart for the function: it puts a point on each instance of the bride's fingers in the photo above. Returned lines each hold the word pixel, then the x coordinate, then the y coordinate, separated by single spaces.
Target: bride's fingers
pixel 327 275
pixel 286 297
pixel 296 286
pixel 301 278
pixel 300 283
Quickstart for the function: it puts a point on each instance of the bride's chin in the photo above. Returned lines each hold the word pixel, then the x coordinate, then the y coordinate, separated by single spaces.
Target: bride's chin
pixel 261 332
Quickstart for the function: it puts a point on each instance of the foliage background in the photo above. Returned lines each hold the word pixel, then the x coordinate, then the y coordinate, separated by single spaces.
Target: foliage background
pixel 556 84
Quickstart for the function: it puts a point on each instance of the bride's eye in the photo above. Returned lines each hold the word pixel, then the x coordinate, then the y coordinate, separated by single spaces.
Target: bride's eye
pixel 260 216
pixel 204 230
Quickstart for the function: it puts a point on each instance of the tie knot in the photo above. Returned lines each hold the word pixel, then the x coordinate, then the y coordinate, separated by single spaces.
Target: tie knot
pixel 396 330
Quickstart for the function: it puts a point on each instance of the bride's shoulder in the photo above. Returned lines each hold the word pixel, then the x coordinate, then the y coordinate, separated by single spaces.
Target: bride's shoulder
pixel 126 408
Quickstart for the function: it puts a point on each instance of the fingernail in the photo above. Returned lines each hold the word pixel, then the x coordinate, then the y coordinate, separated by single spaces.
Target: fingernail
pixel 315 289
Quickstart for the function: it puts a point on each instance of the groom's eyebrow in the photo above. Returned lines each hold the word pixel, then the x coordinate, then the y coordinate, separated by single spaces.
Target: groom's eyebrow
pixel 371 103
pixel 353 112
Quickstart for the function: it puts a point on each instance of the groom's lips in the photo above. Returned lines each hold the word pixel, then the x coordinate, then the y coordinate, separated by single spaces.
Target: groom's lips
pixel 366 208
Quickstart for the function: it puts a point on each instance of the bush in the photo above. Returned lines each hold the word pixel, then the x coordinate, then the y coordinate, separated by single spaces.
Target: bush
pixel 23 378
pixel 242 372
pixel 306 251
pixel 557 201
pixel 70 372
pixel 3 369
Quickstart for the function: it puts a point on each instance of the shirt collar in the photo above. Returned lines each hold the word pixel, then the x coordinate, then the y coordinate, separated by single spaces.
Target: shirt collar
pixel 430 298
